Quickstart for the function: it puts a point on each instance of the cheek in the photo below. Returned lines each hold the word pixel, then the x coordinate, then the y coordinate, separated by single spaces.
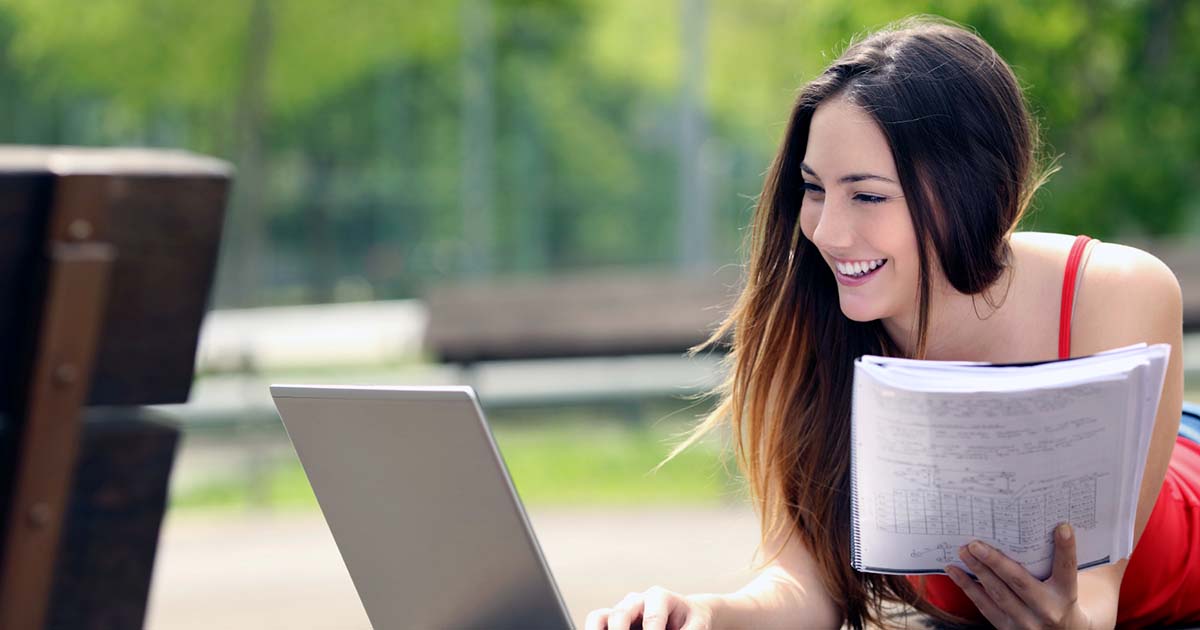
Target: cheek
pixel 908 269
pixel 902 238
pixel 809 217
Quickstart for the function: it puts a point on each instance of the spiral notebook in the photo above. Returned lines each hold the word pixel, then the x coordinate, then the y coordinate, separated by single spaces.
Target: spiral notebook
pixel 948 452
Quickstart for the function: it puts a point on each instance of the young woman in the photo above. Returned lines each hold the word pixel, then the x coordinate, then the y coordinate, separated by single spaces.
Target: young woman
pixel 887 226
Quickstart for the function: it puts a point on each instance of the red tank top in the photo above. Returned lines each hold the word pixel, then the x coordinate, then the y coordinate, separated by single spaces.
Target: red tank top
pixel 1161 585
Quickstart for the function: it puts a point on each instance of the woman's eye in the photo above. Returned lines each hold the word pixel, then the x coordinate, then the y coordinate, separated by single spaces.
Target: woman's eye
pixel 865 198
pixel 813 188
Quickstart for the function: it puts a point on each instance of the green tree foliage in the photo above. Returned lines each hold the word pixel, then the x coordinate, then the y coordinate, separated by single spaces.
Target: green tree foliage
pixel 356 147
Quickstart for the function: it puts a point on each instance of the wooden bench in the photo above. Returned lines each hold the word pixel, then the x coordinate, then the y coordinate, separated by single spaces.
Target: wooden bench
pixel 106 259
pixel 587 314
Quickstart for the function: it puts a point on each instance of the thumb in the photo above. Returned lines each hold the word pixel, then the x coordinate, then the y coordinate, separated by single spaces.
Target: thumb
pixel 1066 568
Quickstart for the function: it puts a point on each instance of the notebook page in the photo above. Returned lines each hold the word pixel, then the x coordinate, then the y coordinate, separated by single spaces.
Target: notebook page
pixel 926 364
pixel 934 471
pixel 1115 360
pixel 957 376
pixel 1154 374
pixel 995 380
pixel 1130 425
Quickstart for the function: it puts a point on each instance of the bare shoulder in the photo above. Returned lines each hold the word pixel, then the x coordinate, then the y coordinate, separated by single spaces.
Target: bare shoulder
pixel 1109 268
pixel 1126 295
pixel 1121 270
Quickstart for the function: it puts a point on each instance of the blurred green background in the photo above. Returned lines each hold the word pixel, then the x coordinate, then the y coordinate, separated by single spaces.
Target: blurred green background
pixel 386 147
pixel 382 146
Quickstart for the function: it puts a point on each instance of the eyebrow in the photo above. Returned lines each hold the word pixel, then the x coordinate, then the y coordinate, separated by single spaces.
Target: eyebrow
pixel 851 178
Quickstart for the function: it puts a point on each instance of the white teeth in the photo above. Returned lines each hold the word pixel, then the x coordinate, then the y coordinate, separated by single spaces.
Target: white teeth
pixel 858 268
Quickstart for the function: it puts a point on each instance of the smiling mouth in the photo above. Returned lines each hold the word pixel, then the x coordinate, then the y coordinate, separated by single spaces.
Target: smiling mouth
pixel 860 271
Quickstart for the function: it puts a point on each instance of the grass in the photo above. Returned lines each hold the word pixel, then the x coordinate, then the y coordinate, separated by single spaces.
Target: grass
pixel 554 458
pixel 609 464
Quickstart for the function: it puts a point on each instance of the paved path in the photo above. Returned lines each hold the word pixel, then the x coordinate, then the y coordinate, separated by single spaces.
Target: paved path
pixel 272 570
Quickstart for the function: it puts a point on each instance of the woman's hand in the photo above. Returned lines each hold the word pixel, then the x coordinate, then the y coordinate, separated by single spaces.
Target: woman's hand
pixel 656 609
pixel 1010 597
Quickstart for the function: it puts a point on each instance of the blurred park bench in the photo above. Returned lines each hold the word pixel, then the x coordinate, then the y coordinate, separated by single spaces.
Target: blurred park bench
pixel 106 259
pixel 630 313
pixel 586 314
pixel 551 336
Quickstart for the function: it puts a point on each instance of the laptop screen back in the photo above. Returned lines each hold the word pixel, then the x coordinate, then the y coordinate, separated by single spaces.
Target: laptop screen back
pixel 421 507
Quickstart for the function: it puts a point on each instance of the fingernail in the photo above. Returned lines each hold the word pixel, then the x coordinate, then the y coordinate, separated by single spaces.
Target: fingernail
pixel 1065 532
pixel 979 550
pixel 953 574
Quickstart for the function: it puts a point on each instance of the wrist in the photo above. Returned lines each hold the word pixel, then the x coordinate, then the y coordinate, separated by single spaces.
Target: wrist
pixel 1092 617
pixel 712 603
pixel 1085 619
pixel 730 610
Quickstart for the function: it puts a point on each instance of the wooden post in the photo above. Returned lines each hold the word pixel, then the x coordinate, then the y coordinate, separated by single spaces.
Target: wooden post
pixel 79 266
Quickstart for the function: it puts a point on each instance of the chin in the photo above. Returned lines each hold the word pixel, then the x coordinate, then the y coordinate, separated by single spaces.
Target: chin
pixel 860 312
pixel 860 319
pixel 859 315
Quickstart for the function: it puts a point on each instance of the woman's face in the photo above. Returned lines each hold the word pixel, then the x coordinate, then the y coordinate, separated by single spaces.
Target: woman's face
pixel 854 211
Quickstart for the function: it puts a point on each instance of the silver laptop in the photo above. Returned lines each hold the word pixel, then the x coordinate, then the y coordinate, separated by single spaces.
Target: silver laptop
pixel 421 507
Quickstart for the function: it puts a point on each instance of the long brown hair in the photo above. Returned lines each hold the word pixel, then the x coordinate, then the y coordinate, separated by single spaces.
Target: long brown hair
pixel 965 149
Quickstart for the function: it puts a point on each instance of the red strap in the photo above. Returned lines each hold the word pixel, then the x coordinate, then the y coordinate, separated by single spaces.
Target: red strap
pixel 1068 296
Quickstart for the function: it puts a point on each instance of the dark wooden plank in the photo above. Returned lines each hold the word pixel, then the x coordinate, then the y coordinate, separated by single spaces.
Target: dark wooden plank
pixel 166 230
pixel 106 557
pixel 163 211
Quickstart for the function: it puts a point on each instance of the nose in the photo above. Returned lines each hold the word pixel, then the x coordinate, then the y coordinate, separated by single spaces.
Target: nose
pixel 834 231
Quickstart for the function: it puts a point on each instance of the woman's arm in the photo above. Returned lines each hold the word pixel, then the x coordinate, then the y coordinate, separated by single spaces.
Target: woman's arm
pixel 775 599
pixel 788 593
pixel 1130 297
pixel 1127 297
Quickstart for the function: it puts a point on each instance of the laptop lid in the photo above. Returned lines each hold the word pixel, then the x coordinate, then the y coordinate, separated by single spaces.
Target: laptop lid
pixel 421 507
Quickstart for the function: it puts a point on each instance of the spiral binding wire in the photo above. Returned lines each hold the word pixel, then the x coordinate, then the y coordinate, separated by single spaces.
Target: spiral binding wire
pixel 855 544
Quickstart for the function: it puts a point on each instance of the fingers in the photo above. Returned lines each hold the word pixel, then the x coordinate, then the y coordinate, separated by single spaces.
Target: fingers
pixel 597 619
pixel 1007 594
pixel 976 594
pixel 655 609
pixel 979 558
pixel 1017 578
pixel 622 616
pixel 1066 566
